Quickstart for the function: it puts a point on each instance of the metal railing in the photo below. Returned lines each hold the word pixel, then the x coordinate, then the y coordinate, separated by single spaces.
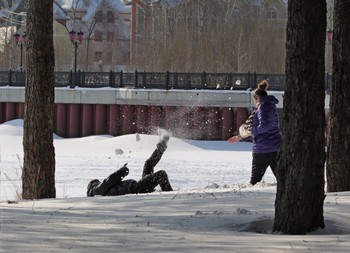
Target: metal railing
pixel 157 80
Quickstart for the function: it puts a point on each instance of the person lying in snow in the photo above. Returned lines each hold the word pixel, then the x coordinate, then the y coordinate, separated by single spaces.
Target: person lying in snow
pixel 115 185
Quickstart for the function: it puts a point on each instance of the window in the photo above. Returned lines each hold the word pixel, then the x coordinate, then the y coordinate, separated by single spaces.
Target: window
pixel 98 56
pixel 98 36
pixel 271 13
pixel 99 16
pixel 236 14
pixel 236 9
pixel 110 17
pixel 126 58
pixel 109 58
pixel 110 36
pixel 140 20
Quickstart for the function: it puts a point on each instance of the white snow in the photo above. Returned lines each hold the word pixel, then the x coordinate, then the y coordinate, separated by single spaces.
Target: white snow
pixel 212 208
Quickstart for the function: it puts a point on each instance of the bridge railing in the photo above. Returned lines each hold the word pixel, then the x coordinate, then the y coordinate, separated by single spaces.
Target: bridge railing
pixel 157 80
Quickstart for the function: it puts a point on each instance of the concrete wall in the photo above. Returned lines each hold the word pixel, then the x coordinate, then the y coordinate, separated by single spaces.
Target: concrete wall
pixel 191 114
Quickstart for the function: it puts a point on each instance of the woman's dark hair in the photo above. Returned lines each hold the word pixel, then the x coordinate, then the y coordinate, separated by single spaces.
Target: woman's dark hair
pixel 260 91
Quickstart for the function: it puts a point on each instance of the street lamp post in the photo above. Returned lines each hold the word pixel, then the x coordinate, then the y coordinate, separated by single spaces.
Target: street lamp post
pixel 76 39
pixel 21 41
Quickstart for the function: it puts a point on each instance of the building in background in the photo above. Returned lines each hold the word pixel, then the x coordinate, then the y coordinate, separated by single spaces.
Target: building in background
pixel 106 28
pixel 105 24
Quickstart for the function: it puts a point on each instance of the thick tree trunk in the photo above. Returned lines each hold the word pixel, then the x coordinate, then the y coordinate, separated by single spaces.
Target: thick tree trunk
pixel 338 161
pixel 300 177
pixel 38 177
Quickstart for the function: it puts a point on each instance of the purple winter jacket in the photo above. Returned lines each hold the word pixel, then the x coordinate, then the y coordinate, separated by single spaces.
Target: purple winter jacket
pixel 266 127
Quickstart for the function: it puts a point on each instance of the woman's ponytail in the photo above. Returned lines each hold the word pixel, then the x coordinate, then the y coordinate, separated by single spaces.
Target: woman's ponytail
pixel 260 91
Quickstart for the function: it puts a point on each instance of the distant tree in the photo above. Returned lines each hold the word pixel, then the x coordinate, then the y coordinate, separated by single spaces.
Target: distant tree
pixel 338 160
pixel 38 176
pixel 74 24
pixel 61 45
pixel 90 26
pixel 9 56
pixel 215 36
pixel 300 176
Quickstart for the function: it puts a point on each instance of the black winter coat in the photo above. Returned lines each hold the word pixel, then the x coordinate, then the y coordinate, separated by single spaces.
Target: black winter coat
pixel 113 185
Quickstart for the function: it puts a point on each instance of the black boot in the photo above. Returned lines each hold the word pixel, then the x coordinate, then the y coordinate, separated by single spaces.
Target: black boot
pixel 157 154
pixel 162 145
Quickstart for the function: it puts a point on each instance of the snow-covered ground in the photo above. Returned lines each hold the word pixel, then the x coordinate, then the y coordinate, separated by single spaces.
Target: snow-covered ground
pixel 212 208
pixel 190 164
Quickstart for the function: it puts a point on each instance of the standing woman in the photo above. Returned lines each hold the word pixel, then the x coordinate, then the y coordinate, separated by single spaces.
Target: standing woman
pixel 263 125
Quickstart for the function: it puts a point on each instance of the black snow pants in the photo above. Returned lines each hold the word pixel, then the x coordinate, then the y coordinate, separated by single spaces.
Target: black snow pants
pixel 151 179
pixel 260 164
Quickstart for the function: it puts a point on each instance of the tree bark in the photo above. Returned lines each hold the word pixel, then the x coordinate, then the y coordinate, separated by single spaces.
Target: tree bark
pixel 300 175
pixel 38 176
pixel 338 160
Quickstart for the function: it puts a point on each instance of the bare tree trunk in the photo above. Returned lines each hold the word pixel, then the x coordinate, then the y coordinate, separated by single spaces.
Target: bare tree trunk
pixel 38 177
pixel 338 161
pixel 90 29
pixel 300 175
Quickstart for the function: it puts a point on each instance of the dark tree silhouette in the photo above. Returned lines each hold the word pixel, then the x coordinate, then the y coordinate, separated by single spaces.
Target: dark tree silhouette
pixel 300 176
pixel 38 177
pixel 338 161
